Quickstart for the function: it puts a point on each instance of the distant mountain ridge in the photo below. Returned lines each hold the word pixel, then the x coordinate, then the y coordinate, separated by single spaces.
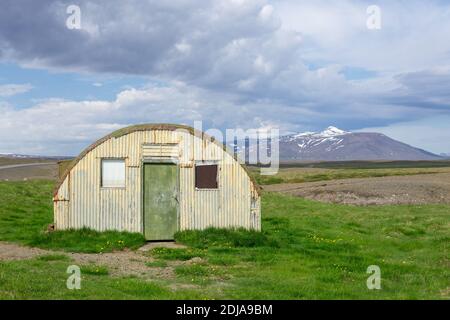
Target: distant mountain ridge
pixel 27 156
pixel 333 144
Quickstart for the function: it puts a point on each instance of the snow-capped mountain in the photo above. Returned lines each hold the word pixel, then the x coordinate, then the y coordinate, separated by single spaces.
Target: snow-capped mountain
pixel 306 140
pixel 333 144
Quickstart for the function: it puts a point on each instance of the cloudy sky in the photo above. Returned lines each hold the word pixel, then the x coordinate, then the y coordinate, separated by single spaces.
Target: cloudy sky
pixel 289 64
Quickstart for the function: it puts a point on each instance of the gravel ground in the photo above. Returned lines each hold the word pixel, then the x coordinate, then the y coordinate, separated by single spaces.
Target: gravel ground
pixel 120 263
pixel 415 189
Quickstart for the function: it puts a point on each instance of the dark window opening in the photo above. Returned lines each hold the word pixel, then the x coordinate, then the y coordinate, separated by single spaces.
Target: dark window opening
pixel 206 176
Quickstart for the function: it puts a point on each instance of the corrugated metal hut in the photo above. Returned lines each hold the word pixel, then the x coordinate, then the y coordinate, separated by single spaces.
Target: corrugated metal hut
pixel 156 179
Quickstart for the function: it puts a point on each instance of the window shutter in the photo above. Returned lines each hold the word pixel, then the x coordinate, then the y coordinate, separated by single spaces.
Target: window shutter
pixel 206 176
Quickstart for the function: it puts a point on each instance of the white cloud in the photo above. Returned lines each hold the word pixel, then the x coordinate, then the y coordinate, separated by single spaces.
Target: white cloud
pixel 233 63
pixel 412 36
pixel 183 47
pixel 266 12
pixel 8 90
pixel 64 127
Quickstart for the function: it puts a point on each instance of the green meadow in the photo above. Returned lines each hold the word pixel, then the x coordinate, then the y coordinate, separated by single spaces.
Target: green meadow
pixel 307 250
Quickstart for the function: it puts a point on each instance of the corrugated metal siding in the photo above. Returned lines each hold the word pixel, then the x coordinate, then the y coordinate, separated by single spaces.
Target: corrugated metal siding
pixel 165 151
pixel 82 202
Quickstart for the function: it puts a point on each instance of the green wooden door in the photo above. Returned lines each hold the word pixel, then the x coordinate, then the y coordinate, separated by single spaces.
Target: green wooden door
pixel 160 201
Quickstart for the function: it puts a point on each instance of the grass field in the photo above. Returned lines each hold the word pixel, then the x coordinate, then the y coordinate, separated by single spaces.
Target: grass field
pixel 312 174
pixel 307 250
pixel 26 209
pixel 367 164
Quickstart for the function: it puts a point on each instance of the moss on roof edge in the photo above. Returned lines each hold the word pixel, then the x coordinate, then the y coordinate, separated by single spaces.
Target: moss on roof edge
pixel 147 127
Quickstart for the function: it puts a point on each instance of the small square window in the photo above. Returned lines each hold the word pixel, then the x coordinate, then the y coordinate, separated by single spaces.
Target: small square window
pixel 113 173
pixel 206 176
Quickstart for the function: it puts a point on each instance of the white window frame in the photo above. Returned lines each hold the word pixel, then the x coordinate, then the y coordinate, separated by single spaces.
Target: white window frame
pixel 123 181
